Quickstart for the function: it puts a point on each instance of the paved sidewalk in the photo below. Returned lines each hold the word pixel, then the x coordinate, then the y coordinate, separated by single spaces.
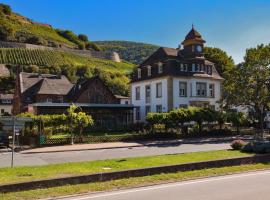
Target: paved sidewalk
pixel 113 145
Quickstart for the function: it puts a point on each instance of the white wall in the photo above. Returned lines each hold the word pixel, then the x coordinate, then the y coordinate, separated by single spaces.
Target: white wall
pixel 123 101
pixel 153 101
pixel 7 109
pixel 177 100
pixel 191 83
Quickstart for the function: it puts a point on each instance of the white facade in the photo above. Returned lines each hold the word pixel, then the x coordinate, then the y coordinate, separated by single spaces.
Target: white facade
pixel 171 97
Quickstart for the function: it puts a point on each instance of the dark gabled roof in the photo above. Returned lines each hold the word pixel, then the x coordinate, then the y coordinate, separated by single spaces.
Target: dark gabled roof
pixel 160 54
pixel 82 85
pixel 44 84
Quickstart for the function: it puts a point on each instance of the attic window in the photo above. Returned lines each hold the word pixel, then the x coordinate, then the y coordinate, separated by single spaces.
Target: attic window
pixel 160 68
pixel 139 73
pixel 149 70
pixel 193 67
pixel 210 70
pixel 186 67
pixel 181 67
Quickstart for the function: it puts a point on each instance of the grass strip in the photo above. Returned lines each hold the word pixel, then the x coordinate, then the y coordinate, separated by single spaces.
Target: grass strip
pixel 129 183
pixel 19 174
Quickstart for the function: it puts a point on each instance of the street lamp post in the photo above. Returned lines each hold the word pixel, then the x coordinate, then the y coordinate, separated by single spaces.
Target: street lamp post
pixel 13 141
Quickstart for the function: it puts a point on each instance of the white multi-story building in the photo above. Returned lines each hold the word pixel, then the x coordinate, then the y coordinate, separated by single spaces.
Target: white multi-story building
pixel 172 78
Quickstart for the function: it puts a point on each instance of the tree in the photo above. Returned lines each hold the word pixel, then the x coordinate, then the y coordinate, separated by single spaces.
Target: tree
pixel 6 9
pixel 6 31
pixel 92 45
pixel 236 118
pixel 223 62
pixel 225 67
pixel 83 37
pixel 78 120
pixel 82 121
pixel 252 82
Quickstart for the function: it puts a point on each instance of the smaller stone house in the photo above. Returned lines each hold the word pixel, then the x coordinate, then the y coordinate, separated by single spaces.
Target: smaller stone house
pixel 53 94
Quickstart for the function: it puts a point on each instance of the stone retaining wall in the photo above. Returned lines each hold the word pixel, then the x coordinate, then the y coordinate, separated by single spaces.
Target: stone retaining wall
pixel 132 173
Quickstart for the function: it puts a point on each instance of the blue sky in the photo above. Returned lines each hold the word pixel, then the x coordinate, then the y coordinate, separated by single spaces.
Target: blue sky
pixel 232 25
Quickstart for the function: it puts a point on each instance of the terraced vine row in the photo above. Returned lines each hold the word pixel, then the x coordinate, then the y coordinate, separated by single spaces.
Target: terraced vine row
pixel 50 58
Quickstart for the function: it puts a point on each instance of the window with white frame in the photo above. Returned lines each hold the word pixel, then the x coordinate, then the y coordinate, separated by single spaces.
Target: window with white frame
pixel 60 99
pixel 147 93
pixel 137 93
pixel 49 99
pixel 212 90
pixel 182 89
pixel 160 68
pixel 201 89
pixel 6 101
pixel 159 90
pixel 149 70
pixel 159 108
pixel 139 73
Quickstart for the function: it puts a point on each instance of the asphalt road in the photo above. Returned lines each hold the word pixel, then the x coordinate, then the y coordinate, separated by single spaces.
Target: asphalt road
pixel 77 156
pixel 247 186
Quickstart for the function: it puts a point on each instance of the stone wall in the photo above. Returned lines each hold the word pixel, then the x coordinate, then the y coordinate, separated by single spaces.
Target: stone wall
pixel 88 53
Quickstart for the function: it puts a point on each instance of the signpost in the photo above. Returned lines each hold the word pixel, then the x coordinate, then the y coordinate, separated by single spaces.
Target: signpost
pixel 17 123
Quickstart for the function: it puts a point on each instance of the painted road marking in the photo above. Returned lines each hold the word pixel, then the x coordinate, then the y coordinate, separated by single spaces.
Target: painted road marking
pixel 173 185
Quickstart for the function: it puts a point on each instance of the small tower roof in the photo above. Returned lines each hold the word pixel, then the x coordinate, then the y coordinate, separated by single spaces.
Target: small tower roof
pixel 193 35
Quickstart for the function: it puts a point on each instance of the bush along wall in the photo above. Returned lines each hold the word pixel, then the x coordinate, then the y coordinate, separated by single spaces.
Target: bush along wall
pixel 192 120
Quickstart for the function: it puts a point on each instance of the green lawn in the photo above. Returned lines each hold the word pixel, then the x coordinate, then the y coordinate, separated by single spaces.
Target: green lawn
pixel 128 183
pixel 18 174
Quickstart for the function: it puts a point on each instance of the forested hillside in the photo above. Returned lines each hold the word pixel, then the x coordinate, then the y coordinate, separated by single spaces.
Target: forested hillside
pixel 17 28
pixel 133 52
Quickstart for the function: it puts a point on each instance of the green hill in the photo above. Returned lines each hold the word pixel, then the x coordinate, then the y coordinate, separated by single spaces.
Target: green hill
pixel 133 52
pixel 17 28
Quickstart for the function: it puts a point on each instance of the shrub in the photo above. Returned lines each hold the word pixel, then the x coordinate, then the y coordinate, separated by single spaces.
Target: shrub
pixel 238 144
pixel 83 37
pixel 257 147
pixel 6 9
pixel 92 45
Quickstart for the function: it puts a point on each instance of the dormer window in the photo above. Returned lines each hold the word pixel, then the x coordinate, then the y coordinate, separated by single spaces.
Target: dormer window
pixel 193 67
pixel 160 68
pixel 181 67
pixel 149 70
pixel 209 69
pixel 186 67
pixel 139 73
